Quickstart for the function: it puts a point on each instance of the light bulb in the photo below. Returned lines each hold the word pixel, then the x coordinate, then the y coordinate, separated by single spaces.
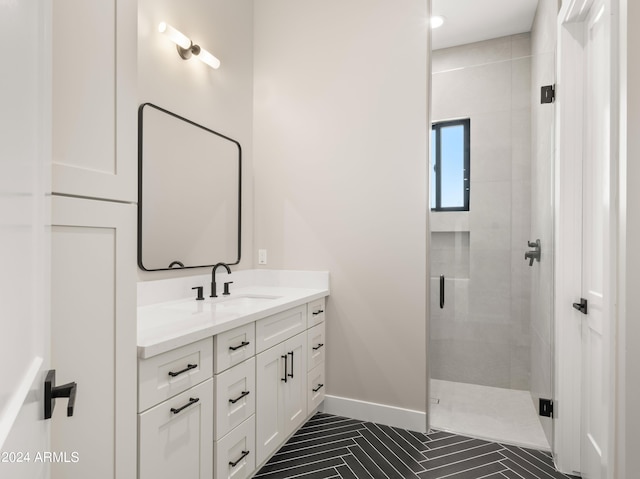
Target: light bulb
pixel 437 21
pixel 206 57
pixel 176 36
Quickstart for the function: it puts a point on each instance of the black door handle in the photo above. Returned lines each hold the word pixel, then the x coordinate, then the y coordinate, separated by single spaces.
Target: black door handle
pixel 241 345
pixel 51 392
pixel 285 368
pixel 235 463
pixel 441 291
pixel 191 402
pixel 582 306
pixel 244 393
pixel 291 375
pixel 188 368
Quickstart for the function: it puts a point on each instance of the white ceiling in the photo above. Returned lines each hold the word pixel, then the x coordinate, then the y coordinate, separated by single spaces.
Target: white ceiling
pixel 468 21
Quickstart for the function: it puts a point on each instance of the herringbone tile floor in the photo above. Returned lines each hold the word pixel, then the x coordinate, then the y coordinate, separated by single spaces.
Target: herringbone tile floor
pixel 336 447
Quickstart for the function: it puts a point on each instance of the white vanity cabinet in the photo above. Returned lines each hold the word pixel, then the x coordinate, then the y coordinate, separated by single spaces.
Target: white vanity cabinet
pixel 221 406
pixel 176 407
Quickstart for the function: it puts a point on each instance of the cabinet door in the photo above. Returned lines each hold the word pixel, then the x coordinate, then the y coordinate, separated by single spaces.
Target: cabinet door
pixel 165 375
pixel 94 98
pixel 295 390
pixel 315 312
pixel 234 454
pixel 315 388
pixel 234 346
pixel 176 436
pixel 93 336
pixel 279 327
pixel 270 376
pixel 235 391
pixel 315 346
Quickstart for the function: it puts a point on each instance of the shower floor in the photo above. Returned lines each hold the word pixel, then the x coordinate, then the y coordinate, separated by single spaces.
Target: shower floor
pixel 501 415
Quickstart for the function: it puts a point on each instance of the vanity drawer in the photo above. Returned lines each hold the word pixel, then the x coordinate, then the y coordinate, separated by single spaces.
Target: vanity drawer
pixel 234 346
pixel 275 329
pixel 235 454
pixel 315 346
pixel 235 392
pixel 175 436
pixel 170 373
pixel 316 387
pixel 315 312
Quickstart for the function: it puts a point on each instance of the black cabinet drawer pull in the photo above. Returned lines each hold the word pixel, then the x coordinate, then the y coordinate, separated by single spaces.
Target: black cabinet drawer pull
pixel 441 291
pixel 241 345
pixel 291 353
pixel 315 390
pixel 191 402
pixel 244 393
pixel 235 463
pixel 315 313
pixel 315 348
pixel 285 368
pixel 189 366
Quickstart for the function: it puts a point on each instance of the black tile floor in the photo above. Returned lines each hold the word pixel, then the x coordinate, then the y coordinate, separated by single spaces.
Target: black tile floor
pixel 337 447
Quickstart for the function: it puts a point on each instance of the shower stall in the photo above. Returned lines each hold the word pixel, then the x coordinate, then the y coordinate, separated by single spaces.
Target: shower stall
pixel 490 351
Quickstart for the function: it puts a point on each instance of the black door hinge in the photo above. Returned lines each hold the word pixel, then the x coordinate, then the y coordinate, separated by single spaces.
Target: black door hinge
pixel 546 407
pixel 547 94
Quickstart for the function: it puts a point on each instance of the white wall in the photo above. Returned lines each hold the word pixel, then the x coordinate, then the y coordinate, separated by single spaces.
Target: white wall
pixel 340 142
pixel 221 100
pixel 543 35
pixel 482 334
pixel 628 416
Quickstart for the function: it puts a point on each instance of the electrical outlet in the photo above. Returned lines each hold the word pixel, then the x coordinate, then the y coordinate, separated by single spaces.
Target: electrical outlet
pixel 262 256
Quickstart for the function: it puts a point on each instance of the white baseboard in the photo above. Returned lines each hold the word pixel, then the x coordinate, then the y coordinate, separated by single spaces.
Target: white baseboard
pixel 379 413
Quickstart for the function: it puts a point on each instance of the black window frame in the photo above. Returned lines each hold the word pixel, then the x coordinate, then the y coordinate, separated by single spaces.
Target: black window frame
pixel 437 127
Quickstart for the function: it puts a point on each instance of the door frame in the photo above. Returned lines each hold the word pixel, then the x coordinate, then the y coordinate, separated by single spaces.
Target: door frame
pixel 568 227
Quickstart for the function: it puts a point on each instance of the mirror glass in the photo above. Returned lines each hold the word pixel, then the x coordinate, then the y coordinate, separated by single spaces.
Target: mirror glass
pixel 188 193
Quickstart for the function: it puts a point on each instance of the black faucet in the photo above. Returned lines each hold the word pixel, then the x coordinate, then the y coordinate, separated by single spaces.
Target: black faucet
pixel 213 278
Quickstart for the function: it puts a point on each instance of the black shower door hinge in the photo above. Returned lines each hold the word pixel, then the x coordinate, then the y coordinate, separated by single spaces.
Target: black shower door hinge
pixel 546 407
pixel 547 94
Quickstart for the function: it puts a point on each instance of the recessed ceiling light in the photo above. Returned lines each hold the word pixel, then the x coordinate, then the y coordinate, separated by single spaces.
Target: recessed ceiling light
pixel 437 21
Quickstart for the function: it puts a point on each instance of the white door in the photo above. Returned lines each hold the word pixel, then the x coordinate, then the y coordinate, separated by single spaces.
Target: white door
pixel 295 391
pixel 25 153
pixel 596 324
pixel 270 375
pixel 93 331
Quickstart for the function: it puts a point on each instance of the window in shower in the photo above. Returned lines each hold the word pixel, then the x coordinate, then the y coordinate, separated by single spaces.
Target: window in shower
pixel 450 165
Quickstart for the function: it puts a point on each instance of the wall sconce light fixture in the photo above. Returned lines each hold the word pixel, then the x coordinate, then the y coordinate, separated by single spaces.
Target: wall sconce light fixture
pixel 186 48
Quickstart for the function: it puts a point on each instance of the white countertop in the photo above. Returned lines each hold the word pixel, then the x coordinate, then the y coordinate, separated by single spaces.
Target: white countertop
pixel 169 325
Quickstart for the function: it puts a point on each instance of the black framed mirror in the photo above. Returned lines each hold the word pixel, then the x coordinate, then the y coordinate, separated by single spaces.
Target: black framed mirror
pixel 189 193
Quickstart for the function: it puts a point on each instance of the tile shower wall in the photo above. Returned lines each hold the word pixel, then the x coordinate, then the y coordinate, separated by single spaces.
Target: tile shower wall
pixel 482 335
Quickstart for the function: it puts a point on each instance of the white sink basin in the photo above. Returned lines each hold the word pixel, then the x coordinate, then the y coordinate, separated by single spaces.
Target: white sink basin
pixel 231 304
